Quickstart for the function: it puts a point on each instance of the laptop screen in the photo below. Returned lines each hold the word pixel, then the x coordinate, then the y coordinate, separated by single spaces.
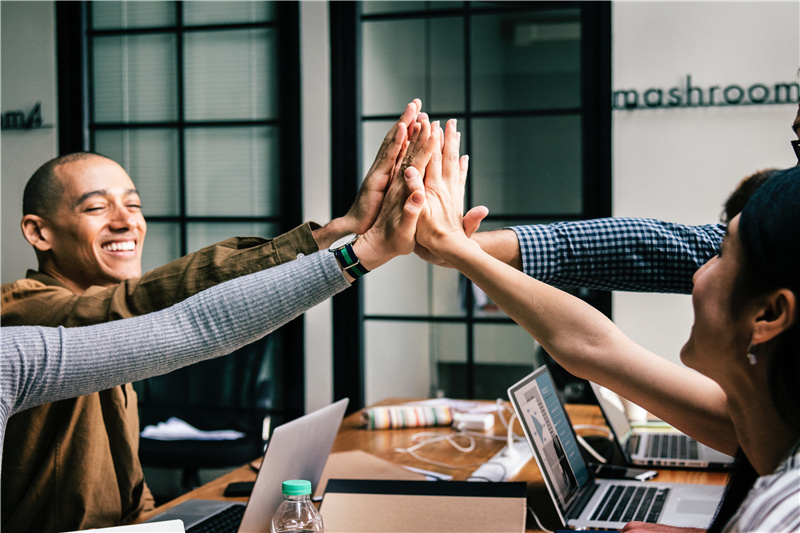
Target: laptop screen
pixel 614 415
pixel 548 429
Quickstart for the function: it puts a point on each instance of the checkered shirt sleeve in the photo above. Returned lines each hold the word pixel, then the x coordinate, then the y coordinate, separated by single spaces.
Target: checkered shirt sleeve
pixel 626 254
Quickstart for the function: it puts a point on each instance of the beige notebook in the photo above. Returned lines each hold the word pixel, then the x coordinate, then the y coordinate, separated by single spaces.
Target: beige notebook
pixel 371 506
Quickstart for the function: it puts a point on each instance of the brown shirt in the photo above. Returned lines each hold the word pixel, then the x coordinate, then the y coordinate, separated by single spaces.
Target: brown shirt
pixel 74 464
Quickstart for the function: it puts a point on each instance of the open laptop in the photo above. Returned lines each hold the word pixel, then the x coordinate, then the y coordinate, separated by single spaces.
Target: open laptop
pixel 296 450
pixel 582 501
pixel 655 448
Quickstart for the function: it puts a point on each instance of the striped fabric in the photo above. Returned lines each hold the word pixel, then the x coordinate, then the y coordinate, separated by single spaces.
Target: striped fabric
pixel 406 416
pixel 773 503
pixel 627 254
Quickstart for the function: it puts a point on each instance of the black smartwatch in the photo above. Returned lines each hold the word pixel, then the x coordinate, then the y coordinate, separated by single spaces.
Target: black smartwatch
pixel 343 250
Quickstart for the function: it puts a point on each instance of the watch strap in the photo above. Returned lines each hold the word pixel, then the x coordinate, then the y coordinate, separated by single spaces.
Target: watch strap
pixel 349 261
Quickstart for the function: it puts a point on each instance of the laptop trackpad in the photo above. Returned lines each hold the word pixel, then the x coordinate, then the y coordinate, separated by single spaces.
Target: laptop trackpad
pixel 687 506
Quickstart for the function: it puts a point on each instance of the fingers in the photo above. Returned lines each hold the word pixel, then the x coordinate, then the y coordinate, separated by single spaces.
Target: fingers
pixel 419 149
pixel 413 206
pixel 452 143
pixel 463 167
pixel 393 142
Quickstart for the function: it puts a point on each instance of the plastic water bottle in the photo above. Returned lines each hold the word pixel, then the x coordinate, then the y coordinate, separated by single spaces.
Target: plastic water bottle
pixel 296 512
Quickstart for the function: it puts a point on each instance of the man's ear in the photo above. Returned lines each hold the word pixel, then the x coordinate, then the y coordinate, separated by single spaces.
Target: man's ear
pixel 35 230
pixel 778 313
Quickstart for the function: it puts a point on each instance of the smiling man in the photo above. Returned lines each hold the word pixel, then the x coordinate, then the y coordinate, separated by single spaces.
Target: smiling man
pixel 73 464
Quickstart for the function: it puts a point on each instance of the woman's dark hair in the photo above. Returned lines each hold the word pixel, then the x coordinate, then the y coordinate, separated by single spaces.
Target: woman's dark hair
pixel 769 230
pixel 744 190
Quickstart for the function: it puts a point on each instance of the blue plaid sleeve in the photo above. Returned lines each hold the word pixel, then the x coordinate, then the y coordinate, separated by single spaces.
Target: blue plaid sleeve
pixel 626 254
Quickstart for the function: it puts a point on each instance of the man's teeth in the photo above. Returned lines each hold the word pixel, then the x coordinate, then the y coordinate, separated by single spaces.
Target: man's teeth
pixel 120 247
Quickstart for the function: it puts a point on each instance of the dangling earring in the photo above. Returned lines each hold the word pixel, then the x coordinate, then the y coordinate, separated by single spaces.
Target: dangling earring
pixel 751 356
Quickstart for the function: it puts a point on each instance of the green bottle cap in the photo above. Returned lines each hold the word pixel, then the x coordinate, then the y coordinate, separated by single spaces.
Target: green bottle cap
pixel 296 487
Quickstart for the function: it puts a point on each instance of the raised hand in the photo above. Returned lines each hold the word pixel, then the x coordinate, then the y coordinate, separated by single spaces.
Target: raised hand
pixel 394 229
pixel 450 141
pixel 367 204
pixel 445 178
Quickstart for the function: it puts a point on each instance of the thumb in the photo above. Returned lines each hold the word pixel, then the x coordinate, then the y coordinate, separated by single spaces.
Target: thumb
pixel 473 218
pixel 413 179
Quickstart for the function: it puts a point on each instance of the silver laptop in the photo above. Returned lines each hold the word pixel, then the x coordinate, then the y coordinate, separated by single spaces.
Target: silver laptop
pixel 296 450
pixel 656 448
pixel 582 501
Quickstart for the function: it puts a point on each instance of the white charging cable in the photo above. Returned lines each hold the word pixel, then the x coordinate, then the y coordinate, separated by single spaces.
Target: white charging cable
pixel 437 437
pixel 587 446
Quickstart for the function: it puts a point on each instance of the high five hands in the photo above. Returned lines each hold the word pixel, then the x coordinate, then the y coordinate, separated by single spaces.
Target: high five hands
pixel 403 214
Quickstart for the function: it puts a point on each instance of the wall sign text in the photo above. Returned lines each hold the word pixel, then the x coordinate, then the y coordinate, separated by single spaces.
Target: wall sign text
pixel 20 120
pixel 689 95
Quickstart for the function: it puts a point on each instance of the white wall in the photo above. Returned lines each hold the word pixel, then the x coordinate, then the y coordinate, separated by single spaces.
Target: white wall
pixel 680 164
pixel 28 76
pixel 316 123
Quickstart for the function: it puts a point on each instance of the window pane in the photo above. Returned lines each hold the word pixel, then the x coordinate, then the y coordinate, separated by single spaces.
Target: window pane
pixel 402 60
pixel 526 61
pixel 230 75
pixel 400 357
pixel 134 78
pixel 161 245
pixel 202 234
pixel 372 8
pixel 449 359
pixel 197 13
pixel 527 165
pixel 409 286
pixel 121 15
pixel 504 354
pixel 151 159
pixel 233 172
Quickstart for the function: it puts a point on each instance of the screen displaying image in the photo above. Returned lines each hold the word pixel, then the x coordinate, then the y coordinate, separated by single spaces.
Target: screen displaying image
pixel 548 426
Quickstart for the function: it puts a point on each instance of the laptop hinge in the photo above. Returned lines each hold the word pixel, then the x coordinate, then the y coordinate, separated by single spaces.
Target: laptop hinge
pixel 575 510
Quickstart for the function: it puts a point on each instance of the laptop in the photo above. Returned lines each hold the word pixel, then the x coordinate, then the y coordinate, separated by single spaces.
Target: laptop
pixel 582 501
pixel 296 450
pixel 655 448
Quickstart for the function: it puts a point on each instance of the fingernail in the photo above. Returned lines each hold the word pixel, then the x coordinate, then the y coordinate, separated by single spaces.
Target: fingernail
pixel 416 198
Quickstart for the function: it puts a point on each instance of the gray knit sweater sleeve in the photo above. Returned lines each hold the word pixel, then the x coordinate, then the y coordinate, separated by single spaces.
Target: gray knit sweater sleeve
pixel 40 365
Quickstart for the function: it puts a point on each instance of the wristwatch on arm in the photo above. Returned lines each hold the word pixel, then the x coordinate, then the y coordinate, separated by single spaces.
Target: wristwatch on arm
pixel 343 250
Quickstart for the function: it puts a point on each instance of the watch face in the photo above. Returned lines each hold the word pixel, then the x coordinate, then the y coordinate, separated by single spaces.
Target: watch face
pixel 341 243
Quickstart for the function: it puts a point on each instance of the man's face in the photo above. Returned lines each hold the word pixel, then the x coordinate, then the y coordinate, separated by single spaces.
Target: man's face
pixel 97 231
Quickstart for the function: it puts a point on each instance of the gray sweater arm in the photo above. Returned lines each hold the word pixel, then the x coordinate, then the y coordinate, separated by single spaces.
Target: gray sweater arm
pixel 41 365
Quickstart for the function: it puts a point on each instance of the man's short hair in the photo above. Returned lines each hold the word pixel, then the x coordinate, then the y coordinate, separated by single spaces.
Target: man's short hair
pixel 43 191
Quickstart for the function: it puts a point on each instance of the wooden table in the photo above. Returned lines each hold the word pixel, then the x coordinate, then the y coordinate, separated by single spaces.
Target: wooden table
pixel 382 443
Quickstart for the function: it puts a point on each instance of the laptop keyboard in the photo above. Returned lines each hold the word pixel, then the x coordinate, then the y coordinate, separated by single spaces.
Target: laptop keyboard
pixel 623 503
pixel 673 446
pixel 668 446
pixel 225 521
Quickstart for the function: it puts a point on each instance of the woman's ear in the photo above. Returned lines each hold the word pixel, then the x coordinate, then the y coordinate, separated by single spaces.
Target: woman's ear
pixel 778 313
pixel 35 230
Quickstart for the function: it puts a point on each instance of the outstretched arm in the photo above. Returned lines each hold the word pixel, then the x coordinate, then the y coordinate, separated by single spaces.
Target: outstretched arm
pixel 40 365
pixel 578 336
pixel 616 253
